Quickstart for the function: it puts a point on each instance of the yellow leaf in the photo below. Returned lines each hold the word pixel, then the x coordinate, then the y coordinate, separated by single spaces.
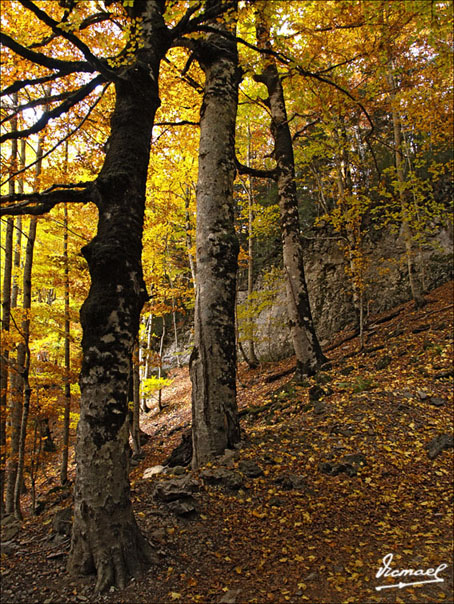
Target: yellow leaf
pixel 174 595
pixel 238 570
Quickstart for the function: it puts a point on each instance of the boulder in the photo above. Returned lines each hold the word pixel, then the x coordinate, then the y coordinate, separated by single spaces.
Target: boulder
pixel 221 476
pixel 177 488
pixel 149 472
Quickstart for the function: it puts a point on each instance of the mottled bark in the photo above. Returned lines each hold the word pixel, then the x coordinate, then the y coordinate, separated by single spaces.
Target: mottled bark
pixel 213 360
pixel 308 352
pixel 105 537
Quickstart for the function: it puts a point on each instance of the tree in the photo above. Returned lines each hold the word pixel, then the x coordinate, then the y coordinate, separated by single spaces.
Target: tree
pixel 105 537
pixel 213 360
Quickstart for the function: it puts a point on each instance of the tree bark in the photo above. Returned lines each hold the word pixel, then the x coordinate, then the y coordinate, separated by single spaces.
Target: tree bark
pixel 67 378
pixel 105 536
pixel 24 362
pixel 305 343
pixel 213 359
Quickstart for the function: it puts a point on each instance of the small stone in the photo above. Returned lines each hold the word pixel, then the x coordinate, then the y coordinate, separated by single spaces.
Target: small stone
pixel 355 459
pixel 422 395
pixel 149 472
pixel 437 402
pixel 183 507
pixel 230 597
pixel 158 535
pixel 439 444
pixel 228 478
pixel 383 362
pixel 229 456
pixel 250 468
pixel 316 393
pixel 178 470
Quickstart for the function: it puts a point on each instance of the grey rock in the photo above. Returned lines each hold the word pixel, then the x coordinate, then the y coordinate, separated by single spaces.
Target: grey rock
pixel 229 456
pixel 355 459
pixel 334 469
pixel 221 476
pixel 439 444
pixel 276 501
pixel 62 521
pixel 436 401
pixel 178 470
pixel 182 454
pixel 177 488
pixel 291 481
pixel 158 535
pixel 422 395
pixel 183 507
pixel 250 468
pixel 230 597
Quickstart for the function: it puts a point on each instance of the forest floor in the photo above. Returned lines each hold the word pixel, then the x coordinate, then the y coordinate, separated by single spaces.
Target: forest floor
pixel 312 526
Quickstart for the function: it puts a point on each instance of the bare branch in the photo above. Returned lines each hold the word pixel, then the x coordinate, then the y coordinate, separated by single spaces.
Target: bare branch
pixel 62 140
pixel 42 59
pixel 180 123
pixel 242 169
pixel 75 98
pixel 96 63
pixel 20 84
pixel 37 103
pixel 40 203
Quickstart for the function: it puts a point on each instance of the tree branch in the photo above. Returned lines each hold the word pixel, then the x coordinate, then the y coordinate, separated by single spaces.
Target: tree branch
pixel 75 98
pixel 242 169
pixel 37 103
pixel 40 203
pixel 96 63
pixel 62 140
pixel 31 82
pixel 42 59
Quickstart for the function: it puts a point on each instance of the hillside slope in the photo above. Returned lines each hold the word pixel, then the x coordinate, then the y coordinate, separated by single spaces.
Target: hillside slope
pixel 332 476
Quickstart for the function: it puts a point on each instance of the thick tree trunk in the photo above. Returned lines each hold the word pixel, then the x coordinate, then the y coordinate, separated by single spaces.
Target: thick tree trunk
pixel 307 348
pixel 213 360
pixel 105 536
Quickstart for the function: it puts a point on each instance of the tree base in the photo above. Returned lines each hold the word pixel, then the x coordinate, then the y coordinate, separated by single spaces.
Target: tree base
pixel 113 549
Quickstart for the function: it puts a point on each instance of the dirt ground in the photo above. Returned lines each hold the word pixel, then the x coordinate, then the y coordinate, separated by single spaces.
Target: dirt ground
pixel 310 527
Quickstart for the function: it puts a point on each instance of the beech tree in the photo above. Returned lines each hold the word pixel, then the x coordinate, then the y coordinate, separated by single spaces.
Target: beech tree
pixel 105 537
pixel 213 360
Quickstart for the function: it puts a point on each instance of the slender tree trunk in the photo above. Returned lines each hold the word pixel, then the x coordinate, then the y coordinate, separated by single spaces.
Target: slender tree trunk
pixel 187 199
pixel 161 350
pixel 399 161
pixel 213 359
pixel 135 376
pixel 15 393
pixel 309 356
pixel 67 378
pixel 105 536
pixel 4 358
pixel 24 360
